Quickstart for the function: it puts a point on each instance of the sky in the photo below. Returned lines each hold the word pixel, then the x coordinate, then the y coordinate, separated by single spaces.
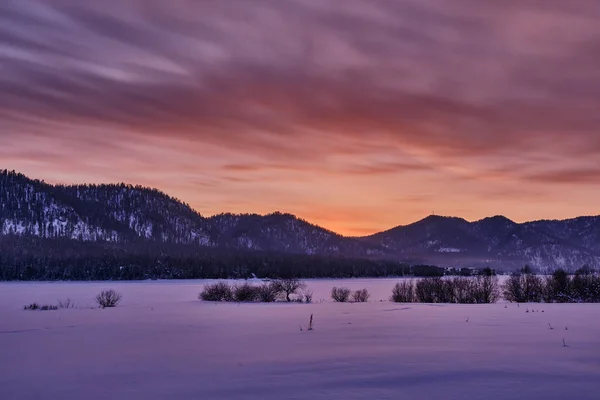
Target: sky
pixel 355 115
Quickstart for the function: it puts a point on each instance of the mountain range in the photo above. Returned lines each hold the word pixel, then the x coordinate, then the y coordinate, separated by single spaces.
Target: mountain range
pixel 124 214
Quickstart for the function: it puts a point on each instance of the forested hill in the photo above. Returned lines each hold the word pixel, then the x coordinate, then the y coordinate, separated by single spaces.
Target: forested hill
pixel 125 213
pixel 113 213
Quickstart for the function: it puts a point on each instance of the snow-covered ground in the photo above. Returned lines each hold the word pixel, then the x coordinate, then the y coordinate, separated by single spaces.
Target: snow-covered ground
pixel 163 343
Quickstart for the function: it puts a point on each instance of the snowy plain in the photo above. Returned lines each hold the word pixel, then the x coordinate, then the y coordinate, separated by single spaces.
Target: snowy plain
pixel 161 342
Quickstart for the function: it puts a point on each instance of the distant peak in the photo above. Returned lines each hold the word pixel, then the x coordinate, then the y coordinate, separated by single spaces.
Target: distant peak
pixel 281 214
pixel 255 215
pixel 435 217
pixel 498 218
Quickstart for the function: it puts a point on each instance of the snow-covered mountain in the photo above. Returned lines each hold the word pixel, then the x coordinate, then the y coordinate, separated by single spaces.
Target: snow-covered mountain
pixel 113 213
pixel 568 244
pixel 124 214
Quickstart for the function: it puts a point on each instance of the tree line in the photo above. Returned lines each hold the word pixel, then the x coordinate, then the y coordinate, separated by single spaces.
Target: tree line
pixel 28 258
pixel 31 258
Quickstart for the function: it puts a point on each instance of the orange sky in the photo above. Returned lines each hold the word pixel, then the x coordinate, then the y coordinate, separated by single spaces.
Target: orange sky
pixel 357 117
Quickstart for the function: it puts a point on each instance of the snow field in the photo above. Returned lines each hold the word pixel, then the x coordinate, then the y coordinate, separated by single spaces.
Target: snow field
pixel 161 342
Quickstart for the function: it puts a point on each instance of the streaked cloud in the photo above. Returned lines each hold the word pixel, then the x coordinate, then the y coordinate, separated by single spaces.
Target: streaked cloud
pixel 568 176
pixel 286 103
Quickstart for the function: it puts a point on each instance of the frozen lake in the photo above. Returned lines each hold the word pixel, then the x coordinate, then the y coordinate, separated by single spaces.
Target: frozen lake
pixel 162 342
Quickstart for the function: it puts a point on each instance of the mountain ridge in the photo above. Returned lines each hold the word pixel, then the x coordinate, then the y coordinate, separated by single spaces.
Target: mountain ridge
pixel 122 213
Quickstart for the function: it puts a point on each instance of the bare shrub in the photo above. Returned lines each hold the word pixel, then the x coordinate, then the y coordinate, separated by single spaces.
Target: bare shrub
pixel 361 296
pixel 36 306
pixel 463 290
pixel 404 292
pixel 245 293
pixel 308 296
pixel 533 288
pixel 305 296
pixel 523 288
pixel 268 292
pixel 108 298
pixel 558 288
pixel 434 290
pixel 290 286
pixel 219 291
pixel 513 289
pixel 68 303
pixel 340 294
pixel 585 287
pixel 486 289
